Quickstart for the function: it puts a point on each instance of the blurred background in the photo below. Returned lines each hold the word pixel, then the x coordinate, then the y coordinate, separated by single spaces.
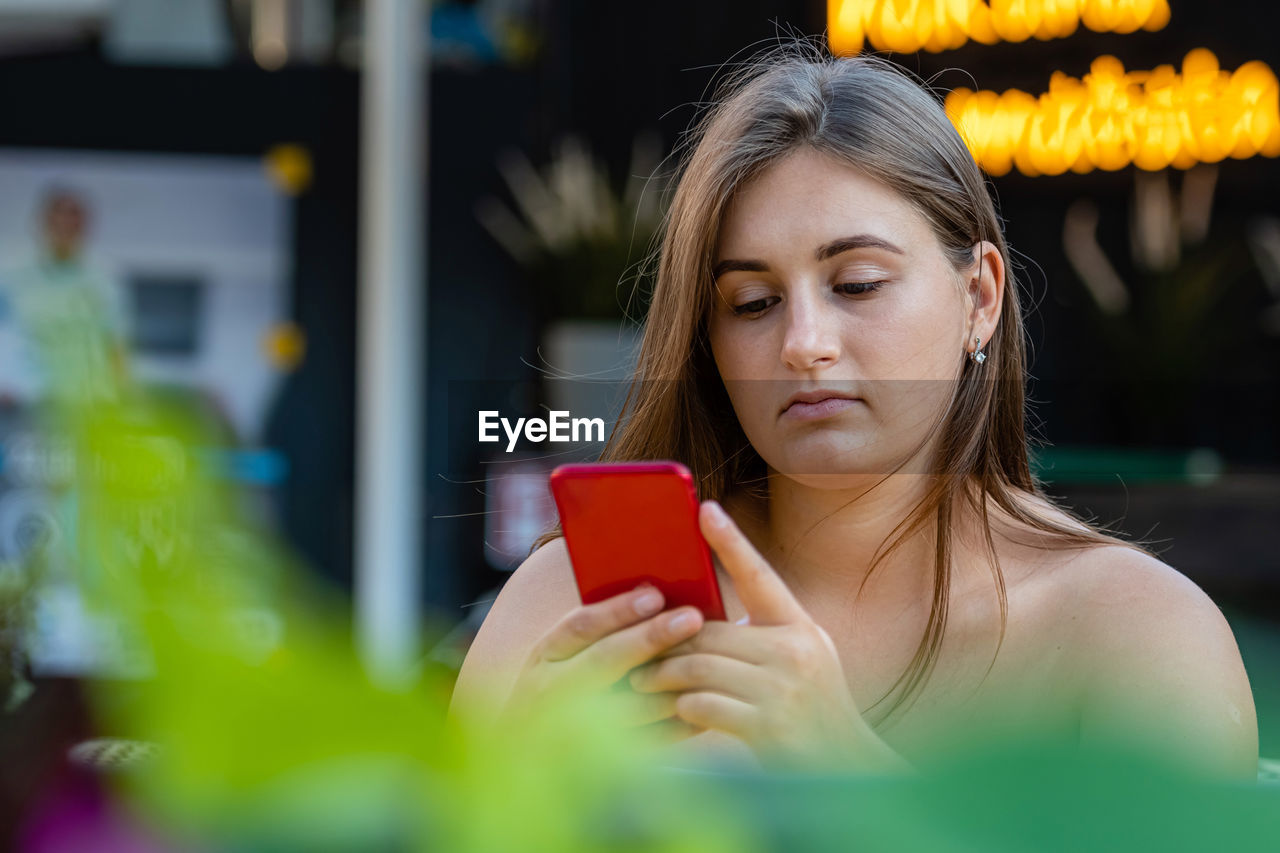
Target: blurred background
pixel 181 193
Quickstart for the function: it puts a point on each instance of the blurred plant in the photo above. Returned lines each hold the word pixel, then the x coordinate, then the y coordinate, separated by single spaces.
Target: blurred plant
pixel 574 232
pixel 270 736
pixel 1175 322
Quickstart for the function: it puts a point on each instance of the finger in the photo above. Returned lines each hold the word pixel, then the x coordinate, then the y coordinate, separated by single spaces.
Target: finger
pixel 723 713
pixel 632 709
pixel 688 673
pixel 751 644
pixel 766 597
pixel 613 656
pixel 583 626
pixel 671 730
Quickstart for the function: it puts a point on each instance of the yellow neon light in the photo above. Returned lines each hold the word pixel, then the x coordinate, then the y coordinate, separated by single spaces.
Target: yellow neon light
pixel 1111 118
pixel 907 26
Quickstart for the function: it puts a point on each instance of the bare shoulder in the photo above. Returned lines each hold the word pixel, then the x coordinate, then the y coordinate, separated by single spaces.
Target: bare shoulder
pixel 1108 586
pixel 537 595
pixel 1150 658
pixel 1121 594
pixel 1157 657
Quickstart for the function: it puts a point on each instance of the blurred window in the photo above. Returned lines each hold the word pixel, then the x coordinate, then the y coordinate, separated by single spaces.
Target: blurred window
pixel 166 313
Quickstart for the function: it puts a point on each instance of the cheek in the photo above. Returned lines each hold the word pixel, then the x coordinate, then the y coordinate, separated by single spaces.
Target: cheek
pixel 740 371
pixel 923 339
pixel 736 355
pixel 715 339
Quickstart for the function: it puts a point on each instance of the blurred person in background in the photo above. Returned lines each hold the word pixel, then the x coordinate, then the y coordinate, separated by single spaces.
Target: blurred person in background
pixel 66 326
pixel 836 349
pixel 68 314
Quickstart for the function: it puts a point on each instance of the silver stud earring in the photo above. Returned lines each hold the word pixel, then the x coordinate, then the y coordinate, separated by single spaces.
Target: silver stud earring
pixel 977 356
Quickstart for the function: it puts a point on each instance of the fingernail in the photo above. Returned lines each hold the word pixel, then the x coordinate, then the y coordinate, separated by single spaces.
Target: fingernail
pixel 649 602
pixel 718 517
pixel 743 621
pixel 681 622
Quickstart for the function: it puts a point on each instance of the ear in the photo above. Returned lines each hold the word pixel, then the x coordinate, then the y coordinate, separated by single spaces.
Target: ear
pixel 984 293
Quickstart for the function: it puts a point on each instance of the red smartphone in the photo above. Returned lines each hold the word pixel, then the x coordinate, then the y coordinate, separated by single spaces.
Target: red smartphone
pixel 636 522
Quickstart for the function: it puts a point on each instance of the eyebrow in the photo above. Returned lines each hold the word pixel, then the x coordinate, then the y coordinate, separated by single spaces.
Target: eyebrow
pixel 830 250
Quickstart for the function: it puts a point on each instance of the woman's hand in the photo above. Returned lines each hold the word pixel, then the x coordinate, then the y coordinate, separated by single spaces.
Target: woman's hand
pixel 776 683
pixel 594 646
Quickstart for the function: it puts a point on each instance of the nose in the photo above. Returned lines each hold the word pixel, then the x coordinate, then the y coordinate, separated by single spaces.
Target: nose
pixel 811 338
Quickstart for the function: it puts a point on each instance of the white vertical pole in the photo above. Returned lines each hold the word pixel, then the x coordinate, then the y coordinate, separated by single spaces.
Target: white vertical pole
pixel 391 337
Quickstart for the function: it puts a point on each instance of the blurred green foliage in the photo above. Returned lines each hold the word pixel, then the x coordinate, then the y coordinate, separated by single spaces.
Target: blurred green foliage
pixel 271 736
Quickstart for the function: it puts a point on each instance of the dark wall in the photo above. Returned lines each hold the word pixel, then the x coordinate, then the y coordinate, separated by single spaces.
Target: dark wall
pixel 477 313
pixel 481 312
pixel 609 71
pixel 627 67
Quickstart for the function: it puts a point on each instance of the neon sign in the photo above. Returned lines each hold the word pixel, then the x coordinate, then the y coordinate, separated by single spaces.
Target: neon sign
pixel 907 26
pixel 1111 118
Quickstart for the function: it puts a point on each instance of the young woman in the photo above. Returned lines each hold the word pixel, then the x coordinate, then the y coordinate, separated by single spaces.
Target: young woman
pixel 835 348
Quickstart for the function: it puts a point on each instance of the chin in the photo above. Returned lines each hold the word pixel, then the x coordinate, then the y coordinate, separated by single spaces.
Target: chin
pixel 839 482
pixel 838 465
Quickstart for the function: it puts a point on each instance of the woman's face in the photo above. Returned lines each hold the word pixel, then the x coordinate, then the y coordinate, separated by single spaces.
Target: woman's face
pixel 831 284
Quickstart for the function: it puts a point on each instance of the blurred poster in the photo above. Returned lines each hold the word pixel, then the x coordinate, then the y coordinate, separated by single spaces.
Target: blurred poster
pixel 163 271
pixel 171 267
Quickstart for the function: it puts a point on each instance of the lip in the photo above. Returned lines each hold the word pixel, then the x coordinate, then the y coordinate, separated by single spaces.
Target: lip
pixel 821 403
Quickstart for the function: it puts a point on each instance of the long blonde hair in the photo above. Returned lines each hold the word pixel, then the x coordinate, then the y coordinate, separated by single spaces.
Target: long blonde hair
pixel 869 114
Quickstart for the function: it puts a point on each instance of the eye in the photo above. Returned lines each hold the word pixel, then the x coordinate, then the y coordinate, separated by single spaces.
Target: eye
pixel 755 306
pixel 853 288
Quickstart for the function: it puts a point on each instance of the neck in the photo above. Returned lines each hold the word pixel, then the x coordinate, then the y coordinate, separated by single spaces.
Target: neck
pixel 822 541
